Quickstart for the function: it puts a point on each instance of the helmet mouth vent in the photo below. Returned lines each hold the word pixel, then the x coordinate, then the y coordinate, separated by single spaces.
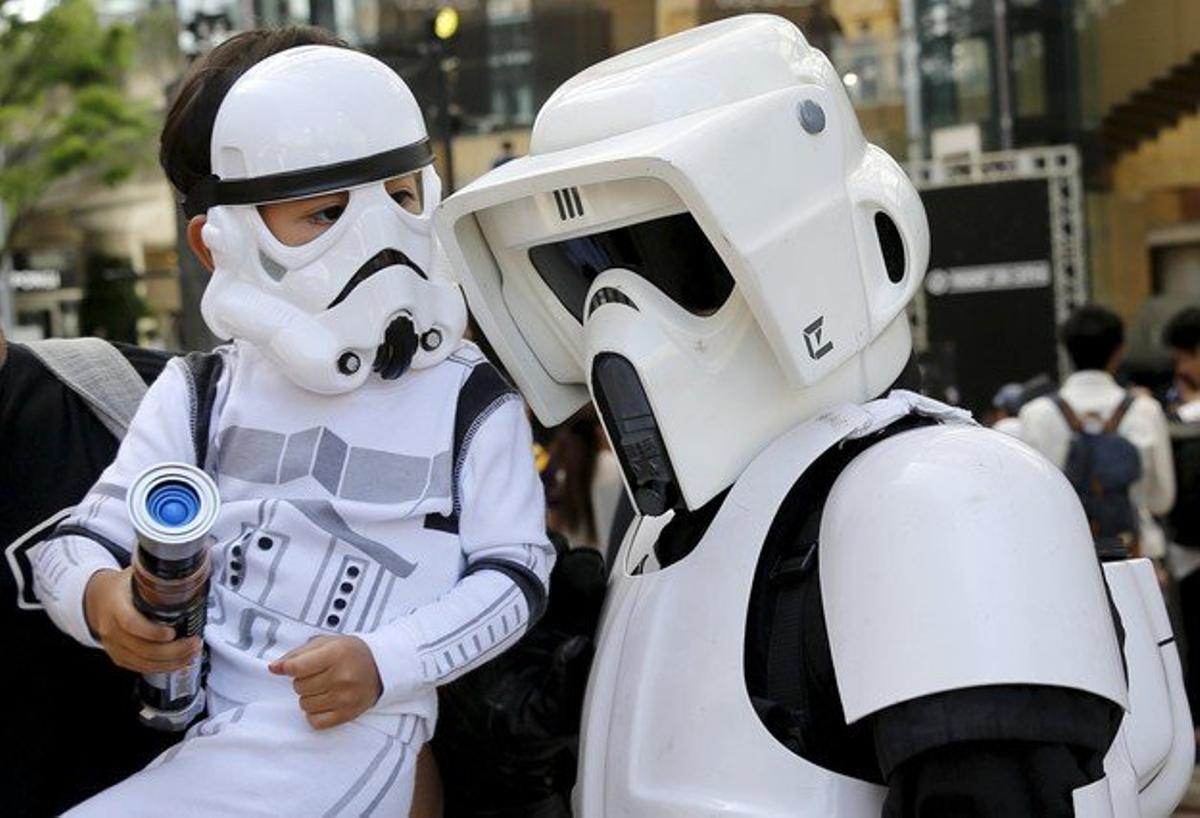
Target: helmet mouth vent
pixel 389 257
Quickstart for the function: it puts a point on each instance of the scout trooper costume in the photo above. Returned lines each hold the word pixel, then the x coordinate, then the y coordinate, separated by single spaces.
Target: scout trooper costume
pixel 401 506
pixel 831 605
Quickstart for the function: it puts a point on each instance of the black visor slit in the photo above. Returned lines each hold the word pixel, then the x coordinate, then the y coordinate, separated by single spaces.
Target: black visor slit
pixel 297 184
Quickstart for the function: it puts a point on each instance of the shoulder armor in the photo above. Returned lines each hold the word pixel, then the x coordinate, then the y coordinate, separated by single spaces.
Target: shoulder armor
pixel 954 556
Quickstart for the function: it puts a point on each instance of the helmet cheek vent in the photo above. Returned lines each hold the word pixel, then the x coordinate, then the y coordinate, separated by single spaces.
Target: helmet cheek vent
pixel 272 267
pixel 891 245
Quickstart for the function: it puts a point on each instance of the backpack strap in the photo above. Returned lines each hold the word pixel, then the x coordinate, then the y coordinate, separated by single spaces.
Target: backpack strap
pixel 98 373
pixel 1119 415
pixel 203 370
pixel 1068 413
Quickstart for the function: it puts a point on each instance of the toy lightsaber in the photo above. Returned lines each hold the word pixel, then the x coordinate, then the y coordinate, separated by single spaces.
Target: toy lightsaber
pixel 172 507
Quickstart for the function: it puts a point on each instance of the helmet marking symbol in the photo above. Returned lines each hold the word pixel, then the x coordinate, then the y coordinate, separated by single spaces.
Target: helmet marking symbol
pixel 812 339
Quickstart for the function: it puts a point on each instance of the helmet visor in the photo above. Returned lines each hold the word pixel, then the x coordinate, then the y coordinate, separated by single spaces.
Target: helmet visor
pixel 672 253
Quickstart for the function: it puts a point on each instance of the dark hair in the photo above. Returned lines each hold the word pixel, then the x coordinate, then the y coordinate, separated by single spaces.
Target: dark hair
pixel 573 453
pixel 1092 335
pixel 184 148
pixel 1183 331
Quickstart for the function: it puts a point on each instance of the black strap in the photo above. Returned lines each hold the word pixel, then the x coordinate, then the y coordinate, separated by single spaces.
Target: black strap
pixel 1110 427
pixel 483 389
pixel 204 371
pixel 296 184
pixel 121 555
pixel 527 581
pixel 1119 414
pixel 1068 413
pixel 785 655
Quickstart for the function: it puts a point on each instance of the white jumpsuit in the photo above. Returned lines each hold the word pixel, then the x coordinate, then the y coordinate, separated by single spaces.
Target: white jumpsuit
pixel 407 512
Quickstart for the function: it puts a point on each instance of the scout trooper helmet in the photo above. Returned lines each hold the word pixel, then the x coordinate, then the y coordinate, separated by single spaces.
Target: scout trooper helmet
pixel 362 295
pixel 703 239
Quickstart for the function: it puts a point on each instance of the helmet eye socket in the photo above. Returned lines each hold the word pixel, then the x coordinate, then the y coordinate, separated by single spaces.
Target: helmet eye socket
pixel 408 191
pixel 672 253
pixel 299 221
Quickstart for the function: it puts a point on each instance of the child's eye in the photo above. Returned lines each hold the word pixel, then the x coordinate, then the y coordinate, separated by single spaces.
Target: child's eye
pixel 327 215
pixel 403 196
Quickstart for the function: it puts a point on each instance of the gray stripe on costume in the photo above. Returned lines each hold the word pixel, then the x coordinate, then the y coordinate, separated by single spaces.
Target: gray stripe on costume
pixel 373 476
pixel 312 589
pixel 444 638
pixel 362 620
pixel 331 457
pixel 387 785
pixel 298 456
pixel 333 589
pixel 281 541
pixel 387 594
pixel 357 786
pixel 109 490
pixel 250 454
pixel 440 475
pixel 322 514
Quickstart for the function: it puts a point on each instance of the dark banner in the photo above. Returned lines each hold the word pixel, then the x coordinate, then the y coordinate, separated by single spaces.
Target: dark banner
pixel 989 292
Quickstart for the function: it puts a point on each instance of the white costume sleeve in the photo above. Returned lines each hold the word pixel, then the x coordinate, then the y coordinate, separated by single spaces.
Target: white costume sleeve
pixel 503 588
pixel 98 535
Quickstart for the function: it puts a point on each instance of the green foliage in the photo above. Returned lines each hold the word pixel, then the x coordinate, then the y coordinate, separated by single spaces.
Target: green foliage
pixel 62 106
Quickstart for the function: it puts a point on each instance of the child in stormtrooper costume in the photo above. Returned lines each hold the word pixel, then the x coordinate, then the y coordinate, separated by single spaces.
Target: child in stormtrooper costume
pixel 841 598
pixel 375 472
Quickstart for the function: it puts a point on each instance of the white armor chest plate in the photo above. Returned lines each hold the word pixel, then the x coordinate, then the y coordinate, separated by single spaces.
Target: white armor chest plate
pixel 668 725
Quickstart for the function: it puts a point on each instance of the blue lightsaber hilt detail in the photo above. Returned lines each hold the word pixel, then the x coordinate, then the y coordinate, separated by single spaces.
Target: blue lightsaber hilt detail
pixel 172 507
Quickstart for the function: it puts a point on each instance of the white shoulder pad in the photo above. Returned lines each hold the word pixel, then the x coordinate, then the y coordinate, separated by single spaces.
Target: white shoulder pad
pixel 955 556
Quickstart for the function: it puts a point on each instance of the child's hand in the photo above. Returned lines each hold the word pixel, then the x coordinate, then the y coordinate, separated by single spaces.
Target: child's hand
pixel 335 677
pixel 131 640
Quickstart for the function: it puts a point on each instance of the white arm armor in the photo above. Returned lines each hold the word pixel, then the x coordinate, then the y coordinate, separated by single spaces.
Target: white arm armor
pixel 981 570
pixel 979 566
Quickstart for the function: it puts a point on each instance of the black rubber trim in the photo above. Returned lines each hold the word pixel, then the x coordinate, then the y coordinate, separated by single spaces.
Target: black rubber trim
pixel 121 555
pixel 212 191
pixel 1166 641
pixel 1034 713
pixel 482 388
pixel 526 580
pixel 205 369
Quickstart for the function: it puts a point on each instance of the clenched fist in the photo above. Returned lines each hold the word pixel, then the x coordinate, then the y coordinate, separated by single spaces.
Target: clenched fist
pixel 335 678
pixel 130 639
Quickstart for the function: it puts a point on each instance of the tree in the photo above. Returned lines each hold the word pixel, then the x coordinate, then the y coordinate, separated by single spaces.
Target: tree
pixel 63 111
pixel 111 306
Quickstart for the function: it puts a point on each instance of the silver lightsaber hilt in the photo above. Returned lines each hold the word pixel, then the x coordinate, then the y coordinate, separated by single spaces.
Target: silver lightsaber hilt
pixel 172 507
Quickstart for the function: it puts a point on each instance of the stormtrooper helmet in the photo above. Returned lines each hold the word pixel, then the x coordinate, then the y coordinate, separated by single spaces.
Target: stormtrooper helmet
pixel 702 238
pixel 366 293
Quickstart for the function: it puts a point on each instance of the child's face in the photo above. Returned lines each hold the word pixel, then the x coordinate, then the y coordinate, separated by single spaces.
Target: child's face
pixel 302 220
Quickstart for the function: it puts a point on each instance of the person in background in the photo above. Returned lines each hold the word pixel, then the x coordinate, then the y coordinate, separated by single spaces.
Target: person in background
pixel 506 154
pixel 1006 404
pixel 1094 337
pixel 74 709
pixel 583 482
pixel 1182 337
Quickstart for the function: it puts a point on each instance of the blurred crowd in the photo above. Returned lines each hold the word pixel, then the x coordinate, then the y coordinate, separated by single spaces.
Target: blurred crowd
pixel 1130 444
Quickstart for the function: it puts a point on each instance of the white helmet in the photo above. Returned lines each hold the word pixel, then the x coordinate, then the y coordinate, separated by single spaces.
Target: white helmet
pixel 703 238
pixel 364 294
